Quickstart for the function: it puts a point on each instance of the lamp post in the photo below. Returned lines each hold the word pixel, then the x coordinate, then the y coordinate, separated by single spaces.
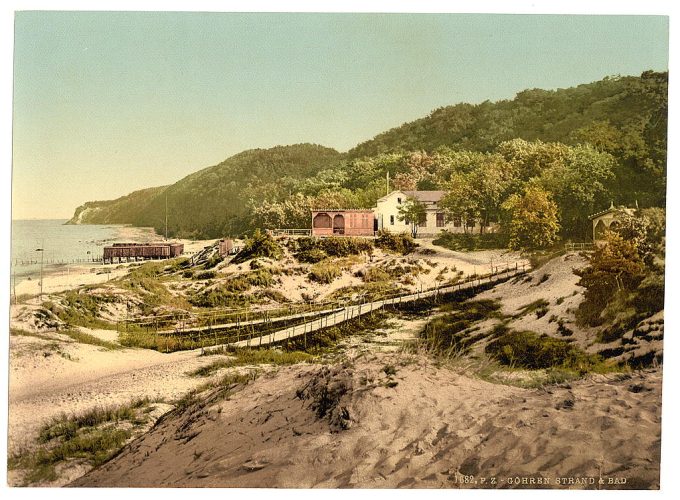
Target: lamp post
pixel 42 257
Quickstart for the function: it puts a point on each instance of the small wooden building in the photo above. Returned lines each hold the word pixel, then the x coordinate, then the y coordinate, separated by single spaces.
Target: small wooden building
pixel 343 223
pixel 226 247
pixel 142 251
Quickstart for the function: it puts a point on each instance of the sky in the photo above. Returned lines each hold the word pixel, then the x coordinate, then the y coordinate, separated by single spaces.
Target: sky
pixel 109 102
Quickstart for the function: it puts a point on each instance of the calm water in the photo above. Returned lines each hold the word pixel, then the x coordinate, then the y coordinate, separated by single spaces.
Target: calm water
pixel 61 243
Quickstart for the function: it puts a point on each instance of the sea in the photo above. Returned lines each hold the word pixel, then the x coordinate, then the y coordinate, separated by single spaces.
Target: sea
pixel 61 244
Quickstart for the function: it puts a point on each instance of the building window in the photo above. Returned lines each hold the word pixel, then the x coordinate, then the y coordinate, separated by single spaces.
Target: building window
pixel 456 222
pixel 440 219
pixel 424 223
pixel 391 220
pixel 398 201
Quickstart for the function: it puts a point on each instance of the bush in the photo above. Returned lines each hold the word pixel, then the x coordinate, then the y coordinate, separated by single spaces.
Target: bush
pixel 213 261
pixel 324 272
pixel 469 241
pixel 529 350
pixel 395 242
pixel 450 332
pixel 540 307
pixel 260 245
pixel 311 256
pixel 261 278
pixel 374 274
pixel 204 275
pixel 313 250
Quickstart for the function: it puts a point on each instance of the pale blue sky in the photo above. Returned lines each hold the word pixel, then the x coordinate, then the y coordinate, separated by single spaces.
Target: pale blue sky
pixel 106 103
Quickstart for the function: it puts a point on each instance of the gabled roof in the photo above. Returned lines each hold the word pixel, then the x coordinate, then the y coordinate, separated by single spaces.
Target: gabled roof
pixel 426 196
pixel 613 209
pixel 423 196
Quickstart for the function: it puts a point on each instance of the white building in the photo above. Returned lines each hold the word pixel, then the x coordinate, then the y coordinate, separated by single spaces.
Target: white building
pixel 387 214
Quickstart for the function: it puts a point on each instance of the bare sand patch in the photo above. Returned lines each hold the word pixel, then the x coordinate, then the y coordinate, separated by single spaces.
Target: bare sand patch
pixel 397 421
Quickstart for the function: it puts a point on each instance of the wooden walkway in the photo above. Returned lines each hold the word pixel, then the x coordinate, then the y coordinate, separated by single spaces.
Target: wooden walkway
pixel 338 316
pixel 239 324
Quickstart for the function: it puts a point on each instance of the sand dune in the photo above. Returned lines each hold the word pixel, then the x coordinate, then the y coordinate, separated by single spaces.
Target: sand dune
pixel 350 426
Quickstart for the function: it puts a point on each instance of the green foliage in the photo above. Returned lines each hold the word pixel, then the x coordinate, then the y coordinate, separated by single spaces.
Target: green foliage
pixel 123 210
pixel 615 266
pixel 622 116
pixel 203 275
pixel 532 219
pixel 413 212
pixel 261 244
pixel 248 357
pixel 583 145
pixel 311 256
pixel 529 350
pixel 230 293
pixel 213 261
pixel 578 184
pixel 539 307
pixel 86 338
pixel 93 436
pixel 313 250
pixel 376 274
pixel 452 333
pixel 324 272
pixel 80 308
pixel 656 227
pixel 469 242
pixel 395 242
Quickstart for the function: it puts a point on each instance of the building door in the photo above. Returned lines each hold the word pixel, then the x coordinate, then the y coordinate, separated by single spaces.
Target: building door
pixel 339 224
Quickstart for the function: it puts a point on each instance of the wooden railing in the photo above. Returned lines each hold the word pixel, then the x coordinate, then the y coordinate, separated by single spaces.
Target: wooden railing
pixel 291 232
pixel 572 247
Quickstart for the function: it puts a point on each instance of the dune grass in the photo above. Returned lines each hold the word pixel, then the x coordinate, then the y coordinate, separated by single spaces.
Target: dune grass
pixel 86 338
pixel 245 357
pixel 93 436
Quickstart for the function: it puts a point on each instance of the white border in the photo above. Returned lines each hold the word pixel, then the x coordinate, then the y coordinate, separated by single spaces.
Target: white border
pixel 670 441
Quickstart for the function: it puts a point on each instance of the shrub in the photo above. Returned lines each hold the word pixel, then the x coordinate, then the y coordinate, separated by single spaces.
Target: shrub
pixel 204 275
pixel 469 241
pixel 450 332
pixel 261 278
pixel 395 242
pixel 540 307
pixel 529 350
pixel 324 272
pixel 213 261
pixel 262 244
pixel 374 274
pixel 313 250
pixel 274 295
pixel 311 256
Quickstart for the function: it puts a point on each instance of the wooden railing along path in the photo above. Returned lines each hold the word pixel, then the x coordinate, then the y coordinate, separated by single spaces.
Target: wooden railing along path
pixel 351 312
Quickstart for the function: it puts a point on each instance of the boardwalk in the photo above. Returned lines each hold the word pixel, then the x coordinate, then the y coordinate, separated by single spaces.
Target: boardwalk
pixel 240 324
pixel 337 316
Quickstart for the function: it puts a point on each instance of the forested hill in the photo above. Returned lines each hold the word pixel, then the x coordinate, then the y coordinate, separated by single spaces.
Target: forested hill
pixel 612 106
pixel 586 146
pixel 207 202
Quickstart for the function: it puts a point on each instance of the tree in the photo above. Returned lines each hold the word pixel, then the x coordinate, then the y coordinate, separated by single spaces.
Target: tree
pixel 578 185
pixel 532 219
pixel 458 202
pixel 413 212
pixel 615 267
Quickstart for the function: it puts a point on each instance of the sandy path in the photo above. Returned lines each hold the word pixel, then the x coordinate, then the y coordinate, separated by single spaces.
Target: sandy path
pixel 432 427
pixel 78 377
